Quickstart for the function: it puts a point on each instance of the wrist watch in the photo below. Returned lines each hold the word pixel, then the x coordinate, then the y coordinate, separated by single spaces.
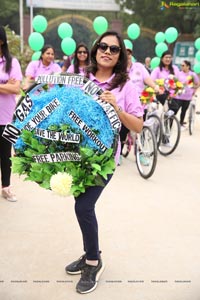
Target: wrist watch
pixel 119 110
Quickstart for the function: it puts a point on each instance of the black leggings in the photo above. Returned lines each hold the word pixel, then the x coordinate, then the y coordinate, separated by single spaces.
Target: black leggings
pixel 123 134
pixel 183 104
pixel 85 213
pixel 5 162
pixel 173 105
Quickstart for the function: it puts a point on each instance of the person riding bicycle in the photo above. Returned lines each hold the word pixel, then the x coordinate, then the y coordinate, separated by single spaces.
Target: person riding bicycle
pixel 163 71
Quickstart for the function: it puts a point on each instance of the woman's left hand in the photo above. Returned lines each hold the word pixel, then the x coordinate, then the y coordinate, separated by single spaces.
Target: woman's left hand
pixel 109 97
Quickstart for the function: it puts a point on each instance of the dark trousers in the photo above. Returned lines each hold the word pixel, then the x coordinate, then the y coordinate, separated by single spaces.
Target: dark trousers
pixel 123 134
pixel 85 213
pixel 5 162
pixel 183 104
pixel 173 105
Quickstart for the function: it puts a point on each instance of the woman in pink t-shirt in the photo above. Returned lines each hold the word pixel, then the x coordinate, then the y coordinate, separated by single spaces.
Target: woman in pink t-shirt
pixel 183 100
pixel 10 78
pixel 80 61
pixel 163 71
pixel 108 69
pixel 45 65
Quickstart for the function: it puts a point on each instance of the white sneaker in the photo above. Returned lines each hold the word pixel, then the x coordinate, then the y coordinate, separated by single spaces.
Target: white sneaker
pixel 183 128
pixel 8 195
pixel 168 145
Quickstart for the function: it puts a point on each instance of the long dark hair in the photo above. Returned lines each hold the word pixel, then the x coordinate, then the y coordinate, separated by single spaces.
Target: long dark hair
pixel 5 50
pixel 76 61
pixel 188 63
pixel 120 69
pixel 161 65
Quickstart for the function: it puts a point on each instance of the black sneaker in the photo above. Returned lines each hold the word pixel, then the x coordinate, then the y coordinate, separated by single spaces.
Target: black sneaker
pixel 76 266
pixel 89 278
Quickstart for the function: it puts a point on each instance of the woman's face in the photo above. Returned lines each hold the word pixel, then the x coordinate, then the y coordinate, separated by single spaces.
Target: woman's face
pixel 184 67
pixel 108 52
pixel 167 59
pixel 48 56
pixel 82 54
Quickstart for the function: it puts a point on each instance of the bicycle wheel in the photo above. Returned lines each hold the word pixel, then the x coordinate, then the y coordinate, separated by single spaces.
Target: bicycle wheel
pixel 156 127
pixel 146 152
pixel 171 135
pixel 191 119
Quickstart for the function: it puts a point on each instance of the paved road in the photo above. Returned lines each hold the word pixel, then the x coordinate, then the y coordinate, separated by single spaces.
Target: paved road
pixel 149 234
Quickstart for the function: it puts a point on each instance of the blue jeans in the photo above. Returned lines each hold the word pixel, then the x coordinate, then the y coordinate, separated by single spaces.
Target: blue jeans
pixel 85 213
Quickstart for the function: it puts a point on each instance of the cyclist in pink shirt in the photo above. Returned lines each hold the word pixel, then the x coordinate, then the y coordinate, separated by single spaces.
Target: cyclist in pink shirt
pixel 191 81
pixel 163 71
pixel 10 78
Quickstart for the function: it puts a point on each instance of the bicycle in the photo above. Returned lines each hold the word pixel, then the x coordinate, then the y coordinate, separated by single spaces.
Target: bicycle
pixel 152 112
pixel 191 114
pixel 145 149
pixel 167 131
pixel 171 130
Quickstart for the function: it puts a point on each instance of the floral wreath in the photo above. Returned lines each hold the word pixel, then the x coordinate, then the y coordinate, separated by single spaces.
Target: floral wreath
pixel 64 136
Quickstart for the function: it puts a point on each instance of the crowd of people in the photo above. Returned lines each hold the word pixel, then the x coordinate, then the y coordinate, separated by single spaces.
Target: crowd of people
pixel 109 64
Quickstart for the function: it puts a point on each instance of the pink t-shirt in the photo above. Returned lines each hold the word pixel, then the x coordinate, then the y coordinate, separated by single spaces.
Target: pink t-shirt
pixel 71 70
pixel 187 95
pixel 8 101
pixel 36 68
pixel 127 99
pixel 138 73
pixel 163 74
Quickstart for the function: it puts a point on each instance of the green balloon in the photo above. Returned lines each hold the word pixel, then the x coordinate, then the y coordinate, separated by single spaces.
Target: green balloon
pixel 197 68
pixel 171 34
pixel 197 55
pixel 128 44
pixel 36 55
pixel 100 25
pixel 159 37
pixel 39 23
pixel 133 59
pixel 68 45
pixel 65 30
pixel 197 43
pixel 36 41
pixel 155 62
pixel 133 31
pixel 160 48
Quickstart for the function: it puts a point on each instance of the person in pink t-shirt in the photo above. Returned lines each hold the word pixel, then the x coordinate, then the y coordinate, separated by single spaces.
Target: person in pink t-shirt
pixel 108 69
pixel 45 65
pixel 164 69
pixel 140 78
pixel 10 79
pixel 191 81
pixel 80 61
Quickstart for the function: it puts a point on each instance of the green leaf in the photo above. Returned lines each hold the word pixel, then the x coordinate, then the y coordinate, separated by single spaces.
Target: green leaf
pixel 96 167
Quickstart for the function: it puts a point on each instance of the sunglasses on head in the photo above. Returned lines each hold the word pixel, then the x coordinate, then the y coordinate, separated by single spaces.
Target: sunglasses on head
pixel 113 48
pixel 80 52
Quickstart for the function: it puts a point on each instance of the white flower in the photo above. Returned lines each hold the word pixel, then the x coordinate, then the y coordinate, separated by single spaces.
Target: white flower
pixel 61 183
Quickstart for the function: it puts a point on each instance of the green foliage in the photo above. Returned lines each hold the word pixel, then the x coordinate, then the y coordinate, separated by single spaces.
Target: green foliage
pixel 14 48
pixel 90 171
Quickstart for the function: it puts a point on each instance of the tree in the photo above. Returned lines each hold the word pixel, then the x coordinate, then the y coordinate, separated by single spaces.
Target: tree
pixel 14 48
pixel 149 13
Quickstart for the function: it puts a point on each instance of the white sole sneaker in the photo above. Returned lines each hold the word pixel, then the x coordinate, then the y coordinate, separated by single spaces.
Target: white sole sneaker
pixel 8 195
